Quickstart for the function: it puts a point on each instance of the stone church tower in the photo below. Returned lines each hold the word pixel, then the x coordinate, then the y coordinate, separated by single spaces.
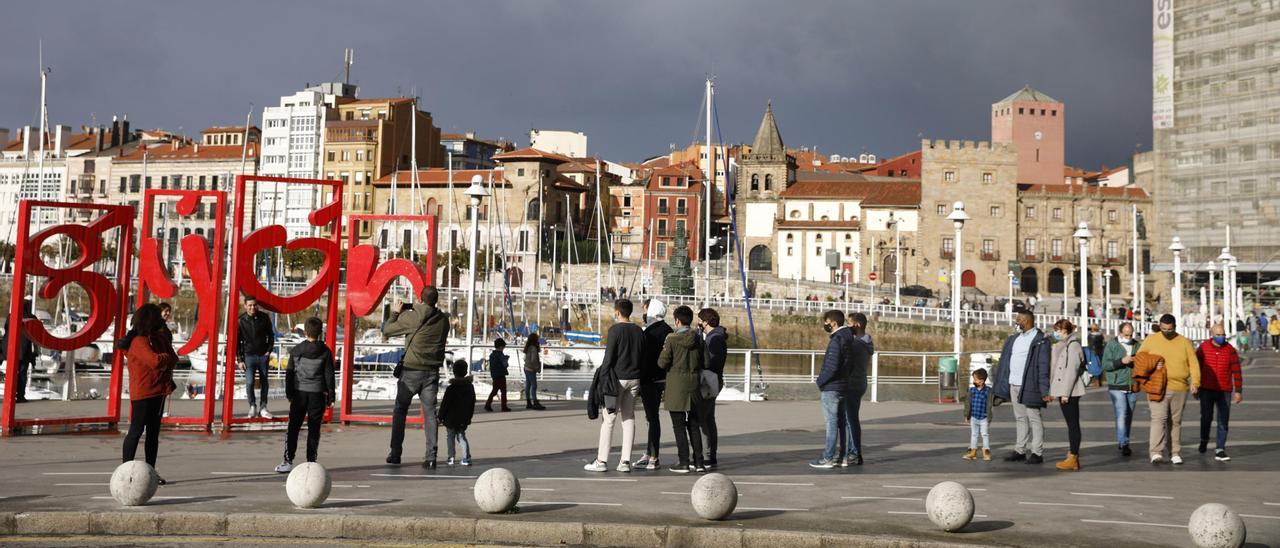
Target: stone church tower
pixel 762 174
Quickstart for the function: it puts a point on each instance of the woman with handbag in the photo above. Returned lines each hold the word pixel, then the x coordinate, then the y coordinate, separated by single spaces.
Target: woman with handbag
pixel 150 360
pixel 1066 384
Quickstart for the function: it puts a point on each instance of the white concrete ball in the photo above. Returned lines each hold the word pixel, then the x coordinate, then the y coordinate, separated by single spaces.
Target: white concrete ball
pixel 714 496
pixel 950 506
pixel 308 485
pixel 497 491
pixel 1215 525
pixel 134 483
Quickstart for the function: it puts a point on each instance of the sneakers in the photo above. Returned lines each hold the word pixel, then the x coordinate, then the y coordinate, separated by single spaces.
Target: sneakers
pixel 393 459
pixel 825 464
pixel 488 407
pixel 253 412
pixel 596 466
pixel 1176 459
pixel 624 466
pixel 701 469
pixel 1156 459
pixel 429 464
pixel 466 462
pixel 1204 446
pixel 1016 457
pixel 986 454
pixel 284 467
pixel 971 454
pixel 647 463
pixel 1221 456
pixel 1034 459
pixel 449 462
pixel 1124 450
pixel 681 468
pixel 712 464
pixel 265 414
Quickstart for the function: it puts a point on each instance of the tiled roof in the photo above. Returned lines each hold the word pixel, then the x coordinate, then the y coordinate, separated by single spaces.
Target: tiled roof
pixel 529 153
pixel 1027 93
pixel 883 191
pixel 192 152
pixel 851 224
pixel 686 169
pixel 393 101
pixel 440 177
pixel 76 141
pixel 1084 190
pixel 768 140
pixel 229 129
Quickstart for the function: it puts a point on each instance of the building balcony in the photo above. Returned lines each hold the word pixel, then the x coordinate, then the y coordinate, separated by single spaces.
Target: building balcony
pixel 1114 261
pixel 1032 257
pixel 1068 259
pixel 947 253
pixel 990 255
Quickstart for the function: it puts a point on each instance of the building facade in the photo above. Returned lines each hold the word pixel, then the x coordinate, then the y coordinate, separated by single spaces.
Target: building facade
pixel 673 201
pixel 292 141
pixel 1032 123
pixel 564 143
pixel 763 174
pixel 465 151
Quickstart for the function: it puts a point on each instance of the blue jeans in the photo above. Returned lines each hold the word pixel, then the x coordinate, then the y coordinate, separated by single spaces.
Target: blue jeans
pixel 1123 401
pixel 460 437
pixel 850 424
pixel 1209 399
pixel 832 406
pixel 530 386
pixel 979 428
pixel 256 367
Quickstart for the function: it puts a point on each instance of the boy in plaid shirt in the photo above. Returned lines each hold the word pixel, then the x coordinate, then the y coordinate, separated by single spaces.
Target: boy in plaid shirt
pixel 977 414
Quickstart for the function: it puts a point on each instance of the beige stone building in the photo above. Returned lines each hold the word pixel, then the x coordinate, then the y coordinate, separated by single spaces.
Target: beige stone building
pixel 762 175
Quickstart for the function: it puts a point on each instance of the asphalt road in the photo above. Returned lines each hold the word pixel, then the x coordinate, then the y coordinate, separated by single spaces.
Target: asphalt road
pixel 765 447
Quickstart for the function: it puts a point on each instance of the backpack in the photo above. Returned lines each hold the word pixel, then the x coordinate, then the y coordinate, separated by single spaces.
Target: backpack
pixel 1093 364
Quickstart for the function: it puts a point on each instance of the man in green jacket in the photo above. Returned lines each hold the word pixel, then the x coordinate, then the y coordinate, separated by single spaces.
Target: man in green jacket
pixel 683 359
pixel 425 329
pixel 1117 365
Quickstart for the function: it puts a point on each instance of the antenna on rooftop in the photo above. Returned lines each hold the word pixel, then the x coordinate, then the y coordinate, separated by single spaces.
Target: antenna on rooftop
pixel 348 58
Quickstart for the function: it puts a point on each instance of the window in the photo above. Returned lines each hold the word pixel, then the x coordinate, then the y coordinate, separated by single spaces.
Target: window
pixel 791 251
pixel 768 182
pixel 662 227
pixel 520 172
pixel 1112 248
pixel 680 225
pixel 662 250
pixel 147 183
pixel 1030 212
pixel 164 182
pixel 949 176
pixel 201 187
pixel 666 181
pixel 1020 110
pixel 948 246
pixel 134 182
pixel 626 200
pixel 755 182
pixel 680 207
pixel 360 155
pixel 986 177
pixel 215 183
pixel 1029 247
pixel 346 155
pixel 988 247
pixel 1053 112
pixel 995 211
pixel 1112 215
pixel 1057 214
pixel 817 251
pixel 662 206
pixel 522 243
pixel 942 209
pixel 1055 247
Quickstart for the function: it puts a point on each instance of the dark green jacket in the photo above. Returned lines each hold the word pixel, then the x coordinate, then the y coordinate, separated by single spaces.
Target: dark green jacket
pixel 426 329
pixel 1118 375
pixel 683 359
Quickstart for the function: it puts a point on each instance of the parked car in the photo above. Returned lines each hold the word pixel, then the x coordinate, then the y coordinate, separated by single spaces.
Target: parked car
pixel 917 291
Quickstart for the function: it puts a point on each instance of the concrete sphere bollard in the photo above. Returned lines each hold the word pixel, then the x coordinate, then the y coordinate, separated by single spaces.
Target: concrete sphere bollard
pixel 134 483
pixel 1214 525
pixel 714 496
pixel 308 485
pixel 497 491
pixel 950 506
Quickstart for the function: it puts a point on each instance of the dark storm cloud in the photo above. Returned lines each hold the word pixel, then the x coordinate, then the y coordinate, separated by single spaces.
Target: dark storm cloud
pixel 846 77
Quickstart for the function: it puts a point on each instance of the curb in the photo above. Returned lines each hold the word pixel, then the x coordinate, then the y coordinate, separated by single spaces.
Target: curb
pixel 465 530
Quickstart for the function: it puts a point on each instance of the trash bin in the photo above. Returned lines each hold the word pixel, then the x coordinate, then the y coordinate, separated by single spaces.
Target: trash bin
pixel 947 379
pixel 979 360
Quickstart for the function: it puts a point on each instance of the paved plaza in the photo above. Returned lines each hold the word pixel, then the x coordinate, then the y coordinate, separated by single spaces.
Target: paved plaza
pixel 764 447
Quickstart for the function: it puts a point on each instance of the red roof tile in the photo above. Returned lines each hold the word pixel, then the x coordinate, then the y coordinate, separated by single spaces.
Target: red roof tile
pixel 1083 190
pixel 895 192
pixel 192 152
pixel 529 153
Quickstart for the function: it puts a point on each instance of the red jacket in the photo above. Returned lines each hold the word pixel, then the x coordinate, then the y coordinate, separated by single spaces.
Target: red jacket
pixel 150 373
pixel 1219 367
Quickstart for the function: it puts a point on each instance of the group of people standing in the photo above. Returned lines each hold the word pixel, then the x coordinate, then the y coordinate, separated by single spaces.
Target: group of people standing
pixel 842 383
pixel 681 368
pixel 1037 369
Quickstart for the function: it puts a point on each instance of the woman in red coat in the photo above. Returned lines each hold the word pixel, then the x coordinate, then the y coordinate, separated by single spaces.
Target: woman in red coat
pixel 150 359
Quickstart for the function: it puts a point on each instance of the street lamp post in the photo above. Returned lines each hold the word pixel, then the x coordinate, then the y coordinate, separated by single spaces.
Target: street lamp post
pixel 1212 297
pixel 477 193
pixel 1008 305
pixel 1082 235
pixel 1106 293
pixel 1226 257
pixel 1237 296
pixel 957 218
pixel 897 256
pixel 1177 248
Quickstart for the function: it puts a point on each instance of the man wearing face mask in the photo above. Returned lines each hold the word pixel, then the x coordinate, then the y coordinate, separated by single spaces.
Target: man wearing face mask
pixel 1222 385
pixel 1022 377
pixel 1117 367
pixel 833 381
pixel 1182 370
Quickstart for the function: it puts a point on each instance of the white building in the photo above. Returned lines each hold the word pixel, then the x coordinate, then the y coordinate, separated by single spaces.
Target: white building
pixel 292 141
pixel 566 143
pixel 21 177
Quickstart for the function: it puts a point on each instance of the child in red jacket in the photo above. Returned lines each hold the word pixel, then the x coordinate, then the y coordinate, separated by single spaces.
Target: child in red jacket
pixel 1219 377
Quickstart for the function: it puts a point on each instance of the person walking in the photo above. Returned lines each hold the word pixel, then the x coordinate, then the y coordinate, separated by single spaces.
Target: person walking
pixel 498 372
pixel 833 382
pixel 27 353
pixel 457 408
pixel 1096 345
pixel 716 342
pixel 425 330
pixel 1182 376
pixel 1117 367
pixel 1022 377
pixel 1221 385
pixel 622 359
pixel 653 379
pixel 311 387
pixel 1067 386
pixel 1264 331
pixel 1273 328
pixel 532 368
pixel 150 361
pixel 851 429
pixel 977 413
pixel 255 340
pixel 683 358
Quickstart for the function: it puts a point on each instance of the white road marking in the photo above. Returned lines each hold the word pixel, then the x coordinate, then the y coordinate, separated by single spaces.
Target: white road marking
pixel 1161 497
pixel 536 489
pixel 351 486
pixel 574 503
pixel 773 509
pixel 775 483
pixel 359 500
pixel 245 474
pixel 926 513
pixel 684 493
pixel 78 484
pixel 1133 523
pixel 919 487
pixel 882 498
pixel 422 476
pixel 1259 517
pixel 77 473
pixel 152 498
pixel 1063 504
pixel 583 479
pixel 1271 503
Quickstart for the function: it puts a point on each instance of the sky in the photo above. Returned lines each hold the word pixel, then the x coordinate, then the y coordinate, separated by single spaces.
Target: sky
pixel 845 77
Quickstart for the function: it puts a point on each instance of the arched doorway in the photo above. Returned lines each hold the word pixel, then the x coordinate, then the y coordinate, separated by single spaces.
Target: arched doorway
pixel 760 258
pixel 1029 281
pixel 1113 288
pixel 515 277
pixel 968 279
pixel 1090 283
pixel 890 267
pixel 1056 281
